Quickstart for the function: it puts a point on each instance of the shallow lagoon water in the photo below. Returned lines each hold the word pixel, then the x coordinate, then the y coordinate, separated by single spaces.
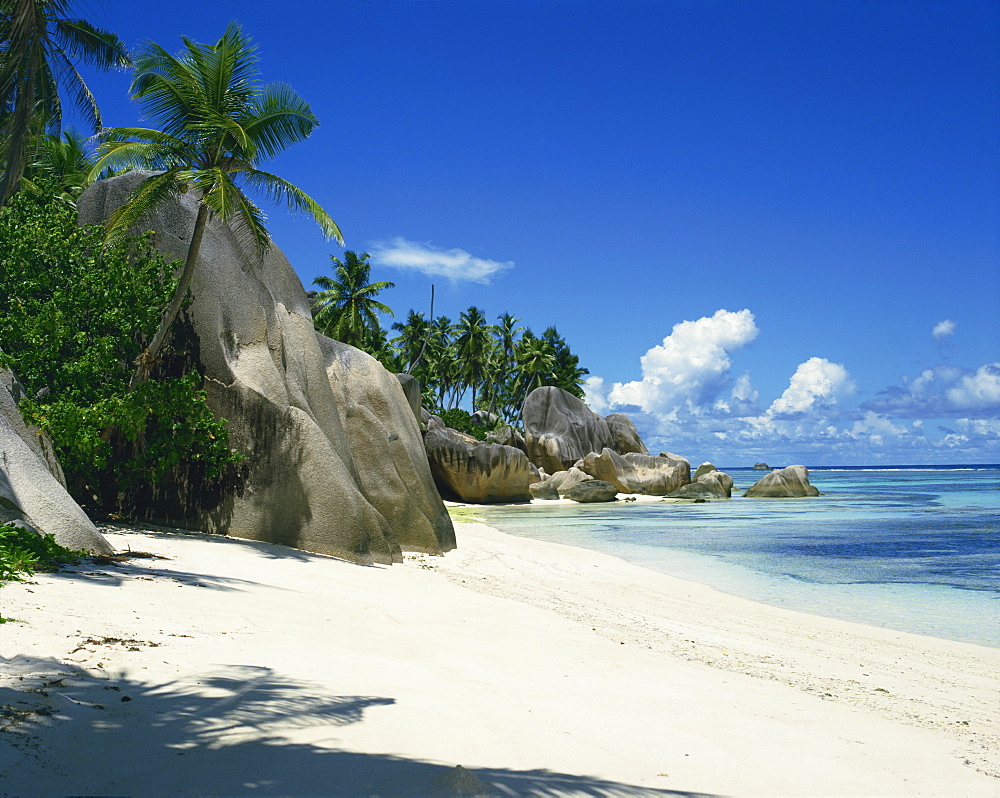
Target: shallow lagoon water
pixel 910 548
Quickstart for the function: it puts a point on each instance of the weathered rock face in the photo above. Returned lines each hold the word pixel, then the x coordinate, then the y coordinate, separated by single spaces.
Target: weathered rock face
pixel 704 468
pixel 564 481
pixel 267 373
pixel 639 473
pixel 32 487
pixel 624 435
pixel 411 390
pixel 593 490
pixel 790 482
pixel 559 429
pixel 387 447
pixel 710 485
pixel 506 435
pixel 543 491
pixel 761 467
pixel 468 470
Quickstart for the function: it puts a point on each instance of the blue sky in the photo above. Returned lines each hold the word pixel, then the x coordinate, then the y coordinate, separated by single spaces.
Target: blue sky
pixel 769 229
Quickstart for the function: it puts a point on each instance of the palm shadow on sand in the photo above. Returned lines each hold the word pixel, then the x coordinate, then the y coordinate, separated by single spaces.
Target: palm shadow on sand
pixel 67 731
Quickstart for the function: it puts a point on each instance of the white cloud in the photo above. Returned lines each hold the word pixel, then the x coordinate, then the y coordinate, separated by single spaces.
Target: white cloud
pixel 692 365
pixel 455 264
pixel 595 394
pixel 943 329
pixel 979 391
pixel 816 384
pixel 943 392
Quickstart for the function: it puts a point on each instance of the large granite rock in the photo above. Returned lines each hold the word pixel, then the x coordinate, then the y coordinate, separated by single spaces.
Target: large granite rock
pixel 411 390
pixel 624 435
pixel 761 467
pixel 639 473
pixel 559 429
pixel 704 468
pixel 272 377
pixel 387 447
pixel 543 491
pixel 790 482
pixel 469 470
pixel 708 485
pixel 592 491
pixel 557 485
pixel 32 487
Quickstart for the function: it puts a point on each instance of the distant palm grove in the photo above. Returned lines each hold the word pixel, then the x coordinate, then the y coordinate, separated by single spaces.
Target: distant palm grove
pixel 470 362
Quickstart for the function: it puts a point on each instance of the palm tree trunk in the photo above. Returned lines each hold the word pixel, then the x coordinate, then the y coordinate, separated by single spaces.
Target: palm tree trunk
pixel 145 362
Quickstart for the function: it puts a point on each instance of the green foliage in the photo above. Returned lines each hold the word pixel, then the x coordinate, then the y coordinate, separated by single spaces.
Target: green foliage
pixel 72 318
pixel 457 418
pixel 23 552
pixel 218 123
pixel 347 310
pixel 498 363
pixel 39 43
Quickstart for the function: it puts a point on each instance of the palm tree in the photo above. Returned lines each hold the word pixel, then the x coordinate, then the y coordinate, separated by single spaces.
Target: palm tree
pixel 566 371
pixel 412 335
pixel 38 47
pixel 217 123
pixel 535 360
pixel 348 310
pixel 61 167
pixel 503 368
pixel 474 348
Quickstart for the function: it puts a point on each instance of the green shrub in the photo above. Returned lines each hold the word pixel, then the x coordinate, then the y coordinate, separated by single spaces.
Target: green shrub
pixel 460 419
pixel 72 319
pixel 22 552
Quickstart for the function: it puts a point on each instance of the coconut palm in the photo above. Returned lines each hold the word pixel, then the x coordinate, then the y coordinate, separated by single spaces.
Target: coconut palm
pixel 412 335
pixel 535 360
pixel 60 168
pixel 39 45
pixel 474 346
pixel 218 122
pixel 348 310
pixel 503 367
pixel 566 371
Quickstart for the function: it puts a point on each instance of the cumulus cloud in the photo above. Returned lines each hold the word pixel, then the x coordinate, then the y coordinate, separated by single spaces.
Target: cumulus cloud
pixel 943 392
pixel 816 385
pixel 977 392
pixel 455 264
pixel 595 394
pixel 692 365
pixel 943 329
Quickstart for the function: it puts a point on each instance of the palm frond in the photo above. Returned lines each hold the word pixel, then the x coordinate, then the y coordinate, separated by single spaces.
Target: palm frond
pixel 277 189
pixel 245 219
pixel 123 155
pixel 278 117
pixel 93 46
pixel 144 199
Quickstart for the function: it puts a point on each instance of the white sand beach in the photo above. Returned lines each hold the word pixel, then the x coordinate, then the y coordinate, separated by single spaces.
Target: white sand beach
pixel 507 667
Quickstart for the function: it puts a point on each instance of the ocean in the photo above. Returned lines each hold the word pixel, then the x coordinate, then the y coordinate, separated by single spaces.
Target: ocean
pixel 911 548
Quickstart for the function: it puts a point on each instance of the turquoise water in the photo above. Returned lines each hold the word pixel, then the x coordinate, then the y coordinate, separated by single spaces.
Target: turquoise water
pixel 913 548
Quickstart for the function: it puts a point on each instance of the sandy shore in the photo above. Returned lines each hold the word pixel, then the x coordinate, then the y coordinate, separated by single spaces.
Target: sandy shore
pixel 507 667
